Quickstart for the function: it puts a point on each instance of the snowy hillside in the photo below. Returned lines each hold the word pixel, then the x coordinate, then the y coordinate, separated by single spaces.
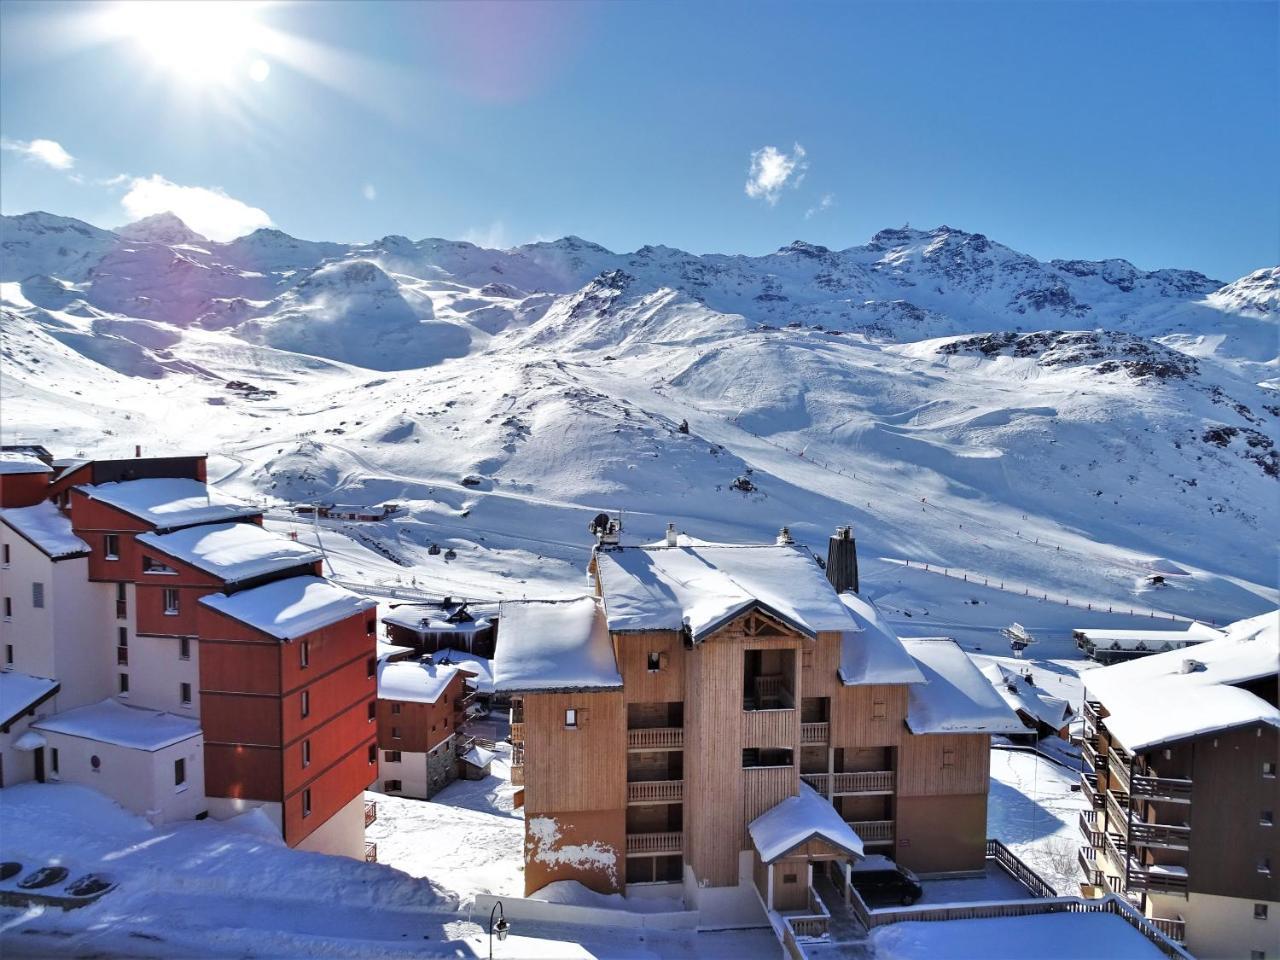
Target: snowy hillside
pixel 1069 425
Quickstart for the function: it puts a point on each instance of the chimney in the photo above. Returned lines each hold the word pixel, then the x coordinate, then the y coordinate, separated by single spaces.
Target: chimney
pixel 784 538
pixel 671 534
pixel 842 560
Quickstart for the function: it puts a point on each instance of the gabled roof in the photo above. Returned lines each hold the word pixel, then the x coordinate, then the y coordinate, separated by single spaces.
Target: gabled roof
pixel 797 820
pixel 554 645
pixel 290 608
pixel 46 528
pixel 168 503
pixel 232 551
pixel 872 651
pixel 708 585
pixel 1021 694
pixel 20 692
pixel 1151 701
pixel 955 697
pixel 111 721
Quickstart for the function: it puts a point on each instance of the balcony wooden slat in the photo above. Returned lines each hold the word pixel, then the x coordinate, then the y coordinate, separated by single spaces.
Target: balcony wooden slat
pixel 656 738
pixel 647 844
pixel 655 791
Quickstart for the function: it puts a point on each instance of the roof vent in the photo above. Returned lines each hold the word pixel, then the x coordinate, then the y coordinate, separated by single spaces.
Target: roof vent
pixel 671 535
pixel 1191 666
pixel 784 538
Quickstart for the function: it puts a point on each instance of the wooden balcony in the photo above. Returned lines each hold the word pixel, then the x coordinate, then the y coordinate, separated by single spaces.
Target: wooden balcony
pixel 1089 787
pixel 656 738
pixel 815 734
pixel 655 791
pixel 1161 788
pixel 1118 812
pixel 865 783
pixel 769 728
pixel 1089 827
pixel 1089 750
pixel 654 844
pixel 1175 930
pixel 1092 710
pixel 1118 769
pixel 873 831
pixel 370 852
pixel 517 774
pixel 370 812
pixel 1162 835
pixel 517 733
pixel 812 925
pixel 1089 867
pixel 1153 879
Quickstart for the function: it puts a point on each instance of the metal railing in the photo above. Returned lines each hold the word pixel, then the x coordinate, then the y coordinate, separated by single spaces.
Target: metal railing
pixel 655 791
pixel 1161 788
pixel 815 734
pixel 873 831
pixel 656 738
pixel 370 812
pixel 646 844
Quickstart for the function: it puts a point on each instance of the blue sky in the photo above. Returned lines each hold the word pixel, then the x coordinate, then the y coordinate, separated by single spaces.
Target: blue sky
pixel 1144 131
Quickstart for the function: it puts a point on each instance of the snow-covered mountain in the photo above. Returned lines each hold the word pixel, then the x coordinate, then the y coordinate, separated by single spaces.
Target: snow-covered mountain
pixel 1063 423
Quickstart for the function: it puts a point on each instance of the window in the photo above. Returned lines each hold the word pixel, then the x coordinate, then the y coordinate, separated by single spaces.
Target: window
pixel 1264 866
pixel 391 756
pixel 1269 769
pixel 391 786
pixel 371 666
pixel 395 709
pixel 111 546
pixel 122 604
pixel 184 691
pixel 948 757
pixel 1259 911
pixel 170 602
pixel 8 608
pixel 1265 819
pixel 788 878
pixel 373 753
pixel 395 733
pixel 6 555
pixel 879 710
pixel 306 753
pixel 571 718
pixel 179 772
pixel 122 636
pixel 655 661
pixel 304 653
pixel 53 759
pixel 373 710
pixel 304 701
pixel 306 802
pixel 184 648
pixel 37 595
pixel 371 626
pixel 8 653
pixel 124 684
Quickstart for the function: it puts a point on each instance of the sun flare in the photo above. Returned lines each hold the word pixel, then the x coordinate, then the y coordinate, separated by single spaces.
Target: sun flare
pixel 196 41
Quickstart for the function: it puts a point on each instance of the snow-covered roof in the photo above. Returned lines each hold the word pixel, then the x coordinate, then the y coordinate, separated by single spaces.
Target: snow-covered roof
pixel 170 502
pixel 12 462
pixel 469 663
pixel 659 588
pixel 1107 639
pixel 1021 694
pixel 232 551
pixel 551 645
pixel 290 608
pixel 421 618
pixel 872 652
pixel 797 820
pixel 48 528
pixel 479 757
pixel 1151 701
pixel 111 721
pixel 414 681
pixel 955 697
pixel 385 649
pixel 19 692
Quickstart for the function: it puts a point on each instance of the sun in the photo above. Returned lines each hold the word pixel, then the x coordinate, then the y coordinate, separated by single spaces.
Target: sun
pixel 200 42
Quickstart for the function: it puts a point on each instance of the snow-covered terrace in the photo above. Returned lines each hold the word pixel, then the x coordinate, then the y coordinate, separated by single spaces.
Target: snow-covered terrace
pixel 46 528
pixel 413 681
pixel 111 721
pixel 550 645
pixel 232 551
pixel 707 585
pixel 20 692
pixel 955 697
pixel 168 503
pixel 290 608
pixel 1187 693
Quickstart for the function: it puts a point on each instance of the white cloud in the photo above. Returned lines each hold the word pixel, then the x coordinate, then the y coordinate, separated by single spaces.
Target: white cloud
pixel 771 170
pixel 492 237
pixel 208 211
pixel 48 152
pixel 369 191
pixel 826 203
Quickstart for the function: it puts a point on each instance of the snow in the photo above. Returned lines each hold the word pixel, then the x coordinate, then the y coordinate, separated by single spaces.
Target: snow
pixel 574 893
pixel 416 619
pixel 385 649
pixel 1030 698
pixel 1054 936
pixel 796 820
pixel 479 757
pixel 12 462
pixel 554 645
pixel 168 502
pixel 232 551
pixel 47 527
pixel 1106 639
pixel 29 741
pixel 413 681
pixel 873 653
pixel 481 669
pixel 660 588
pixel 1033 808
pixel 288 609
pixel 955 697
pixel 20 691
pixel 1151 701
pixel 111 721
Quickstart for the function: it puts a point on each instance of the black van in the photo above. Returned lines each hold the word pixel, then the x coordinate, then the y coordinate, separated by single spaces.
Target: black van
pixel 882 883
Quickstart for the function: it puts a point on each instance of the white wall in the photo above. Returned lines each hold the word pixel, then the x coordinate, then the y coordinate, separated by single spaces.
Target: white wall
pixel 411 771
pixel 157 672
pixel 724 908
pixel 138 780
pixel 1222 926
pixel 342 834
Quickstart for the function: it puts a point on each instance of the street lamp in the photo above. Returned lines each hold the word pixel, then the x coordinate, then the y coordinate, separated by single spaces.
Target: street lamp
pixel 501 928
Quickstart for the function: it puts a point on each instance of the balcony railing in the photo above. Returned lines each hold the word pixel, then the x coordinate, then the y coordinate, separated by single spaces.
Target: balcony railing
pixel 867 782
pixel 1161 788
pixel 1118 812
pixel 1175 930
pixel 517 733
pixel 815 734
pixel 873 831
pixel 517 774
pixel 1089 827
pixel 646 844
pixel 655 791
pixel 656 738
pixel 1156 880
pixel 1089 750
pixel 122 656
pixel 370 852
pixel 1117 770
pixel 1089 867
pixel 370 812
pixel 812 925
pixel 769 728
pixel 1163 835
pixel 1089 787
pixel 517 713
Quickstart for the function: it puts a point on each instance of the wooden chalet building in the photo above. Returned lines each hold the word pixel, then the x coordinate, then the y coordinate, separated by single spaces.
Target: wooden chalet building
pixel 658 723
pixel 421 710
pixel 1181 751
pixel 448 624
